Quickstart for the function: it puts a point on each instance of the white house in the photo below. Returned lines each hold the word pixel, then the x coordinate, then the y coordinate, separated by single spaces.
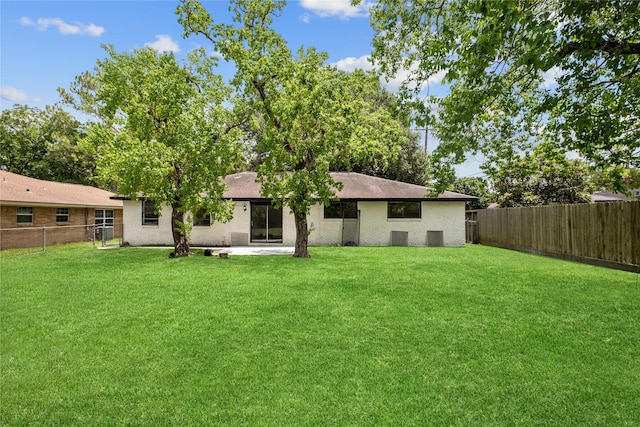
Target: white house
pixel 369 211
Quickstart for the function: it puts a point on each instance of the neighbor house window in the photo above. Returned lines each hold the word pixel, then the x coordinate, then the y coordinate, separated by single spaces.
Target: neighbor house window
pixel 202 219
pixel 404 210
pixel 62 215
pixel 149 215
pixel 104 217
pixel 341 210
pixel 25 215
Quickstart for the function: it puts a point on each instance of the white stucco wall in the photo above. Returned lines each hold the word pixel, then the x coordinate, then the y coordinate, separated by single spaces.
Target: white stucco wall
pixel 325 232
pixel 375 227
pixel 137 234
pixel 234 232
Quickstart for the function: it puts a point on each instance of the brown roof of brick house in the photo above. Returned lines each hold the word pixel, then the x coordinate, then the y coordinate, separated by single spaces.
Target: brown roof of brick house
pixel 356 186
pixel 21 190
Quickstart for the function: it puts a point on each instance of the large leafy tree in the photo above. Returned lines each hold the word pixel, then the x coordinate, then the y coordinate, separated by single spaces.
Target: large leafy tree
pixel 520 71
pixel 544 176
pixel 411 163
pixel 309 115
pixel 473 186
pixel 45 144
pixel 165 131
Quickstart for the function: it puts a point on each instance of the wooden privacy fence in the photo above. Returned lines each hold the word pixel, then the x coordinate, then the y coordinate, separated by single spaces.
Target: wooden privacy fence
pixel 606 234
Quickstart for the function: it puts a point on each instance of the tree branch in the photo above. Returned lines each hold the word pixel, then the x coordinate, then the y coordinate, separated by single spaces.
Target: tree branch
pixel 609 46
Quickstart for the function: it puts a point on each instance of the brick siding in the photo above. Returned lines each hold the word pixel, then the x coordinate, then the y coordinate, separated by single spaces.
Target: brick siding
pixel 78 229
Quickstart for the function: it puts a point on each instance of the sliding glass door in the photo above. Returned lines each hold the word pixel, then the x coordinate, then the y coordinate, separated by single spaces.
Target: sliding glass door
pixel 266 223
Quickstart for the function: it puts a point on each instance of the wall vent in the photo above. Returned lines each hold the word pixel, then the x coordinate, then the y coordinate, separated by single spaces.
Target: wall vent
pixel 239 239
pixel 399 238
pixel 435 238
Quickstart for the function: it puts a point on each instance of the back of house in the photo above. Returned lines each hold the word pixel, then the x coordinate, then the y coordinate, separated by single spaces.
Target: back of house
pixel 368 211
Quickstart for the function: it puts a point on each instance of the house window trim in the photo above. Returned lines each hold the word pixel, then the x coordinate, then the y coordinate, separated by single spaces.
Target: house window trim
pixel 341 209
pixel 61 213
pixel 152 220
pixel 404 218
pixel 201 221
pixel 105 221
pixel 19 214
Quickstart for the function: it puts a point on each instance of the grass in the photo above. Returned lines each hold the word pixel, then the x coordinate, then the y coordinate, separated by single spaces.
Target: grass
pixel 6 253
pixel 352 336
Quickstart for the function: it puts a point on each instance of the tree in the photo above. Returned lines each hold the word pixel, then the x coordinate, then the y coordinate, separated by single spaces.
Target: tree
pixel 309 115
pixel 520 72
pixel 544 176
pixel 44 144
pixel 411 164
pixel 473 186
pixel 165 132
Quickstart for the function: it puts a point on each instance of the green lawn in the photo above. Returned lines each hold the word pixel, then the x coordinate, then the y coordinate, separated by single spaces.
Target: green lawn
pixel 353 336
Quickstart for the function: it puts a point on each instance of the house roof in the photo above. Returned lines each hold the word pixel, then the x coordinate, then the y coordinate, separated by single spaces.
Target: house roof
pixel 356 186
pixel 21 190
pixel 608 196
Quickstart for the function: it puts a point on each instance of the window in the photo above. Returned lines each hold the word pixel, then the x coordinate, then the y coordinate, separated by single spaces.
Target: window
pixel 149 215
pixel 104 217
pixel 202 219
pixel 62 215
pixel 341 210
pixel 25 215
pixel 404 210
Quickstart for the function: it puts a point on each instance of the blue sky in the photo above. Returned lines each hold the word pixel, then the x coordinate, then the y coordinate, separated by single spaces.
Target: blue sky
pixel 45 44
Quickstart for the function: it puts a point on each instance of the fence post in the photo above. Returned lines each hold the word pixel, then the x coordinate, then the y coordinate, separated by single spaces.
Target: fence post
pixel 44 239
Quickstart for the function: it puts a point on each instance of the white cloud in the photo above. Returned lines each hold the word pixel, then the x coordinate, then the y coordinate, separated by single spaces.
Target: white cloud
pixel 306 18
pixel 78 28
pixel 363 63
pixel 350 64
pixel 12 94
pixel 164 43
pixel 339 8
pixel 550 77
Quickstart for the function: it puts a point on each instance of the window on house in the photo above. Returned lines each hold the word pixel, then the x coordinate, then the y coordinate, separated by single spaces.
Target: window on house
pixel 149 215
pixel 202 219
pixel 62 215
pixel 404 210
pixel 341 210
pixel 25 215
pixel 104 217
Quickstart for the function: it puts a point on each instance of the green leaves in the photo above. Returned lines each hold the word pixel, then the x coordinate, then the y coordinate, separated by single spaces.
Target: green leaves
pixel 543 176
pixel 45 144
pixel 308 116
pixel 499 55
pixel 165 133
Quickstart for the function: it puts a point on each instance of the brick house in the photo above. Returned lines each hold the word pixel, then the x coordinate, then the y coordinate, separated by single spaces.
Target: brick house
pixel 33 211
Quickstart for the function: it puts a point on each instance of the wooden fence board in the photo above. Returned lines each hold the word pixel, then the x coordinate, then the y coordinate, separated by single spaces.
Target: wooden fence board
pixel 598 233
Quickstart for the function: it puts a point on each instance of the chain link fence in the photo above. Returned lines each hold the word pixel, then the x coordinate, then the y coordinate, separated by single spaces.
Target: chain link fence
pixel 44 237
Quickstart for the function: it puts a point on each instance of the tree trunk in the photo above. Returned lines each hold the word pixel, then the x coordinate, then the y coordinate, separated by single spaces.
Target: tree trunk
pixel 302 235
pixel 180 238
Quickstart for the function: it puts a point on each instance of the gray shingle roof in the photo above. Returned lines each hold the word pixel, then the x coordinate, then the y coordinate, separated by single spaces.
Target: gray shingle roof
pixel 21 190
pixel 356 186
